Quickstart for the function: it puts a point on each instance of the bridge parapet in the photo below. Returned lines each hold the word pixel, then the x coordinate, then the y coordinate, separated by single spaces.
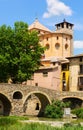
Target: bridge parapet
pixel 78 94
pixel 17 96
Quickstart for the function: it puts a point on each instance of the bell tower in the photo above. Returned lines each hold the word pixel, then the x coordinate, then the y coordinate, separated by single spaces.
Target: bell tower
pixel 66 30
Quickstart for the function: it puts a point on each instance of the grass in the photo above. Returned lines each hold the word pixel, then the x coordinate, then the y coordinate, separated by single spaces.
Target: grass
pixel 36 126
pixel 13 123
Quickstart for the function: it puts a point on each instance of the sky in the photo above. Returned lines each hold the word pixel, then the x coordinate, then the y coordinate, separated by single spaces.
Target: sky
pixel 48 12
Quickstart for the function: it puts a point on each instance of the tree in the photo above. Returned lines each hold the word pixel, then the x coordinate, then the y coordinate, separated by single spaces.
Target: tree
pixel 20 52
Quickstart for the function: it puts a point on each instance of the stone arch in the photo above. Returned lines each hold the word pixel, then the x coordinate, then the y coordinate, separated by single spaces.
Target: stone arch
pixel 5 105
pixel 76 102
pixel 35 103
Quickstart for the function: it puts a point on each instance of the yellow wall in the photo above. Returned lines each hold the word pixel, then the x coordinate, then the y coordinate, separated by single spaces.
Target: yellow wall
pixel 65 79
pixel 51 39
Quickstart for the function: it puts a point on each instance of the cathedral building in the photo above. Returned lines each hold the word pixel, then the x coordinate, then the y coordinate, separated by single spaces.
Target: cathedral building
pixel 59 45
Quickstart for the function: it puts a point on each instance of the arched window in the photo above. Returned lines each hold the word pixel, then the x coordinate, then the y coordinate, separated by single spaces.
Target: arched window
pixel 66 38
pixel 66 46
pixel 57 45
pixel 37 106
pixel 17 95
pixel 47 46
pixel 57 37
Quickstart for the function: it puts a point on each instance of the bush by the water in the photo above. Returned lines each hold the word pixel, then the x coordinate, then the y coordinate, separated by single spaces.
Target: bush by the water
pixel 55 110
pixel 78 112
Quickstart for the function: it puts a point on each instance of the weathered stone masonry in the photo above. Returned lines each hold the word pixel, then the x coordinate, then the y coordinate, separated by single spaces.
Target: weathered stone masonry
pixel 17 99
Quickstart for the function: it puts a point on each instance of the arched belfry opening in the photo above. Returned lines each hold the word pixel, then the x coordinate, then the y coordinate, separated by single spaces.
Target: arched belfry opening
pixel 5 105
pixel 35 104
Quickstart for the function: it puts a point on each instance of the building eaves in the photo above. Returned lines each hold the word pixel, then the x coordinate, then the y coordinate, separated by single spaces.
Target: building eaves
pixel 75 56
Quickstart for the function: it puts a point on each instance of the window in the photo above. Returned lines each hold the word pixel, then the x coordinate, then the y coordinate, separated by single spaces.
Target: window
pixel 54 63
pixel 37 106
pixel 57 37
pixel 81 81
pixel 64 86
pixel 66 46
pixel 64 76
pixel 65 67
pixel 36 84
pixel 62 25
pixel 17 95
pixel 66 38
pixel 45 74
pixel 47 38
pixel 57 45
pixel 81 59
pixel 81 69
pixel 39 32
pixel 47 46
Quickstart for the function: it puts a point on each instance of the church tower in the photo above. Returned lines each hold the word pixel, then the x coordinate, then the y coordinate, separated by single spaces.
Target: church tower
pixel 58 43
pixel 65 32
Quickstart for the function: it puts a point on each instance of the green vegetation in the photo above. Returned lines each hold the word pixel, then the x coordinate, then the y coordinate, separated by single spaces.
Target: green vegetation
pixel 15 123
pixel 20 52
pixel 78 112
pixel 55 110
pixel 11 120
pixel 72 126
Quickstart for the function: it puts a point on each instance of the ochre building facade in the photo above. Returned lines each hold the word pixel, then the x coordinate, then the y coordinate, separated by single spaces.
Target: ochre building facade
pixel 59 45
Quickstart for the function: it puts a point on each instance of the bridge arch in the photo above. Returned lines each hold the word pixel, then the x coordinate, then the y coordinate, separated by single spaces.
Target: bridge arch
pixel 76 102
pixel 5 105
pixel 35 103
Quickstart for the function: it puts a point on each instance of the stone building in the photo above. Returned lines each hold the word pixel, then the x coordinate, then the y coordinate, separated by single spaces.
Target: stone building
pixel 76 73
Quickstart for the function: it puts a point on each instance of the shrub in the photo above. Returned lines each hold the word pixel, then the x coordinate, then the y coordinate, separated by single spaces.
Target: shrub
pixel 55 110
pixel 78 112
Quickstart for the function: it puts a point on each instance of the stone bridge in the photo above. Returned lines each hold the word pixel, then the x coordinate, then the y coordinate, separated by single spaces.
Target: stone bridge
pixel 18 99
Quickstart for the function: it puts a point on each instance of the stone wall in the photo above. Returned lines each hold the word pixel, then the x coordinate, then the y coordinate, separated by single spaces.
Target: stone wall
pixel 20 99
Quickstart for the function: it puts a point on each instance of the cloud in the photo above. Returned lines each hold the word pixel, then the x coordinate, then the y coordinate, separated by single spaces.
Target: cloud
pixel 78 44
pixel 56 8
